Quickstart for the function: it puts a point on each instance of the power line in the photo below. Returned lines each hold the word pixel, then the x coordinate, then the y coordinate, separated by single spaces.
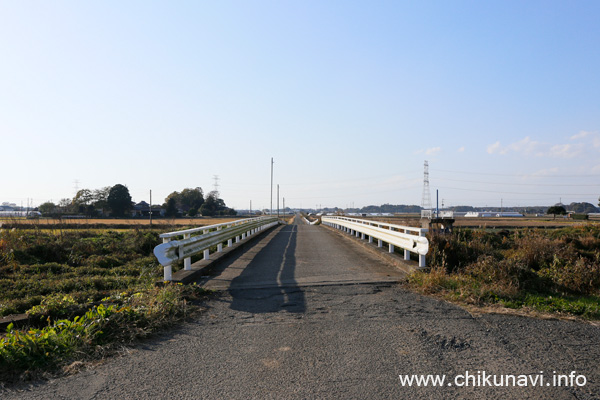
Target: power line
pixel 519 175
pixel 521 184
pixel 525 193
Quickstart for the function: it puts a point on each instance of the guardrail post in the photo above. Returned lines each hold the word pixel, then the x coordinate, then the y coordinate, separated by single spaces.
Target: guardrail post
pixel 187 262
pixel 230 243
pixel 379 243
pixel 167 271
pixel 391 250
pixel 207 254
pixel 362 236
pixel 220 247
pixel 370 239
pixel 422 262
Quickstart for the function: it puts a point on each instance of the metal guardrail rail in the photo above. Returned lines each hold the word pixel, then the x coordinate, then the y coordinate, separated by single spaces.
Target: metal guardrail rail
pixel 409 238
pixel 431 214
pixel 171 251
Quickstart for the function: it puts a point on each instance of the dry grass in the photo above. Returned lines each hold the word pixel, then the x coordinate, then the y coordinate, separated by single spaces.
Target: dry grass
pixel 200 221
pixel 490 223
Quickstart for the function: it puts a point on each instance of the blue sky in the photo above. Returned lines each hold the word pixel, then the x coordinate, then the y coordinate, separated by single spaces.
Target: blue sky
pixel 501 97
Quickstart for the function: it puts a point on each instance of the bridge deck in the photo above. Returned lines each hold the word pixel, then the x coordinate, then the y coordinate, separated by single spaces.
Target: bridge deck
pixel 300 255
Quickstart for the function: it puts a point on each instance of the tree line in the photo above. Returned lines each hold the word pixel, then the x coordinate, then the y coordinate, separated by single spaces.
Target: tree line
pixel 116 201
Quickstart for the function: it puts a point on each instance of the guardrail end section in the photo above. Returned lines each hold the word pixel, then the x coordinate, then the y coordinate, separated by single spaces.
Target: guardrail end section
pixel 161 253
pixel 422 245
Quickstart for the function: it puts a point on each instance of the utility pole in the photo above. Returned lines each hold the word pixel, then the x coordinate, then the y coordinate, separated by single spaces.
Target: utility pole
pixel 250 207
pixel 150 208
pixel 271 213
pixel 278 201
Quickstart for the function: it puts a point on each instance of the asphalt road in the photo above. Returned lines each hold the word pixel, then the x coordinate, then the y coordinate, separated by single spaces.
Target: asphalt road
pixel 306 315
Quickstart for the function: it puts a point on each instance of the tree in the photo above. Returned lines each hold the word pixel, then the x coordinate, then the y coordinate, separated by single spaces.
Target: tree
pixel 83 197
pixel 213 205
pixel 119 200
pixel 65 206
pixel 171 210
pixel 554 210
pixel 100 198
pixel 47 209
pixel 82 202
pixel 187 199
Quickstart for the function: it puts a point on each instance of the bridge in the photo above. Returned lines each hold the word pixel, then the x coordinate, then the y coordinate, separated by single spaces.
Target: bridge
pixel 305 311
pixel 325 256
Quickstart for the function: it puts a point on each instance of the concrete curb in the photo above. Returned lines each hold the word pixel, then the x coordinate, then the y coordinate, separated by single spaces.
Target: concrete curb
pixel 203 267
pixel 390 258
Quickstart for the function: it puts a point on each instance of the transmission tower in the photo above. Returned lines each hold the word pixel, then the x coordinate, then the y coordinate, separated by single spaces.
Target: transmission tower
pixel 216 185
pixel 426 200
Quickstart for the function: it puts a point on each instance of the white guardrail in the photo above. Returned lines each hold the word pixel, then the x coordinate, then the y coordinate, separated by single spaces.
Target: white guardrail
pixel 171 250
pixel 409 238
pixel 308 222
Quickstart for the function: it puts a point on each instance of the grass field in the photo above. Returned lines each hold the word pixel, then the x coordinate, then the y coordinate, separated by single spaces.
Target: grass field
pixel 553 271
pixel 134 222
pixel 86 292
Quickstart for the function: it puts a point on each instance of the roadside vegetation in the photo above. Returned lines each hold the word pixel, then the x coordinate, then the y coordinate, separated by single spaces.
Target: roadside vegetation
pixel 552 271
pixel 86 293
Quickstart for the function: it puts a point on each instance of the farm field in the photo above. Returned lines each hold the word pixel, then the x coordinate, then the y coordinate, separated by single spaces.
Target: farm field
pixel 86 292
pixel 133 222
pixel 491 223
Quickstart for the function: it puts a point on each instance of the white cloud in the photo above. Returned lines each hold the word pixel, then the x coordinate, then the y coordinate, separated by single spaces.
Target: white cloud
pixel 461 149
pixel 528 147
pixel 495 148
pixel 581 135
pixel 433 151
pixel 593 138
pixel 540 173
pixel 545 172
pixel 564 151
pixel 525 146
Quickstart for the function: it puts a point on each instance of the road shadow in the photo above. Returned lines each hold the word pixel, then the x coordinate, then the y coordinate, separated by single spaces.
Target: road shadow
pixel 268 284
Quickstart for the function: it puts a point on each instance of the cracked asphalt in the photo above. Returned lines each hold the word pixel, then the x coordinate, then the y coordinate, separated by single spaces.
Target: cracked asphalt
pixel 306 315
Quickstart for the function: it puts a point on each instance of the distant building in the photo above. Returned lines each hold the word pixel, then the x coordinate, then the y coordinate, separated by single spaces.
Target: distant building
pixel 142 209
